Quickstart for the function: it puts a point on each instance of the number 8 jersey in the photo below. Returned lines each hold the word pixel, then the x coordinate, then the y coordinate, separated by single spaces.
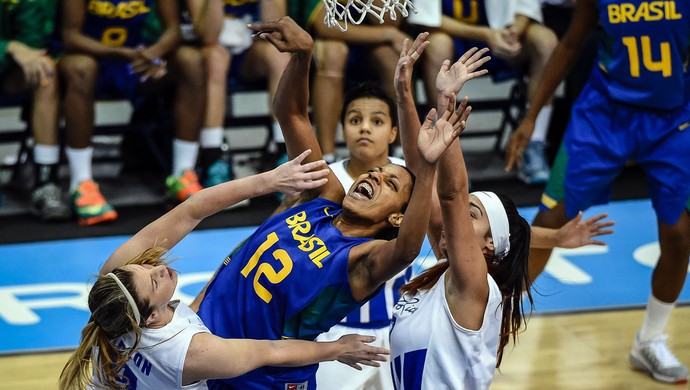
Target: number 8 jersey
pixel 117 23
pixel 289 280
pixel 643 52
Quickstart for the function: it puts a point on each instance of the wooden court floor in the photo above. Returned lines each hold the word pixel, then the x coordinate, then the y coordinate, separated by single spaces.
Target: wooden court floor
pixel 572 351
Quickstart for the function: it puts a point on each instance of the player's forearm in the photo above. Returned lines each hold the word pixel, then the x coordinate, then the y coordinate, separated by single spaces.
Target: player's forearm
pixel 462 30
pixel 416 218
pixel 167 42
pixel 409 127
pixel 76 42
pixel 272 10
pixel 544 238
pixel 296 353
pixel 452 172
pixel 355 34
pixel 292 95
pixel 520 24
pixel 214 199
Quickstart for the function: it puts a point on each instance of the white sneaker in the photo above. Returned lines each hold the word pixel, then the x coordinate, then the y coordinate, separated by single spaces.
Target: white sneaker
pixel 655 357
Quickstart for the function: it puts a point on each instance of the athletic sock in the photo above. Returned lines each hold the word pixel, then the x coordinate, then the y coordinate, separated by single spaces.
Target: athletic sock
pixel 277 133
pixel 185 154
pixel 46 158
pixel 79 165
pixel 541 124
pixel 655 318
pixel 210 142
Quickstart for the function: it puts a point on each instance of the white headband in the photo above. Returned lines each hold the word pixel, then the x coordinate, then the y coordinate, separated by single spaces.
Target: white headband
pixel 498 222
pixel 129 297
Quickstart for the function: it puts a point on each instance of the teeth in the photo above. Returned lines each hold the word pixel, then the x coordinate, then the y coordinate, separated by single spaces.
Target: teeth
pixel 366 187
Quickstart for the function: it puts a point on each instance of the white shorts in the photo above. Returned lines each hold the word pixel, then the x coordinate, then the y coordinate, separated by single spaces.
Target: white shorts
pixel 335 375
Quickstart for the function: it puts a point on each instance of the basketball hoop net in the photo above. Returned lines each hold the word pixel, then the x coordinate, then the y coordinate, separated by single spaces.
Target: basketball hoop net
pixel 354 11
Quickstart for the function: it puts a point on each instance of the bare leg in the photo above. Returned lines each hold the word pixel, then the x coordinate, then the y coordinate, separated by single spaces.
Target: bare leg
pixel 44 115
pixel 217 64
pixel 190 95
pixel 264 61
pixel 539 43
pixel 80 74
pixel 670 272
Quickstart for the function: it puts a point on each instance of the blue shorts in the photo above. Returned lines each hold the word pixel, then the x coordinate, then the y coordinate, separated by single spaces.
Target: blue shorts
pixel 604 136
pixel 115 80
pixel 498 69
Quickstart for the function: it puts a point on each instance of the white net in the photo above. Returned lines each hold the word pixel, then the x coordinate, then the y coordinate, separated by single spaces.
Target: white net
pixel 340 13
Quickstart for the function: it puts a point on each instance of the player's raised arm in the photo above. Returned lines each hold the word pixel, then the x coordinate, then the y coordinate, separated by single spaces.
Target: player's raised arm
pixel 172 227
pixel 291 101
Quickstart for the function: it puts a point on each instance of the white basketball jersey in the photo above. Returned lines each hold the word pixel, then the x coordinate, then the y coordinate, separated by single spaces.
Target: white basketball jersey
pixel 431 351
pixel 159 359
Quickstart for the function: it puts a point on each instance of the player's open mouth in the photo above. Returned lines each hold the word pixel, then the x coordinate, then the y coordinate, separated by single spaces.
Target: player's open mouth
pixel 364 189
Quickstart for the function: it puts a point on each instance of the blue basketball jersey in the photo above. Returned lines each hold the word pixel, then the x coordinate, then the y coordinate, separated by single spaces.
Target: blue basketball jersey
pixel 116 23
pixel 289 280
pixel 474 12
pixel 240 8
pixel 643 52
pixel 466 11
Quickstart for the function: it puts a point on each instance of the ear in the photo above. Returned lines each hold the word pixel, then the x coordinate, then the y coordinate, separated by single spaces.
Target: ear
pixel 155 314
pixel 395 219
pixel 490 244
pixel 393 134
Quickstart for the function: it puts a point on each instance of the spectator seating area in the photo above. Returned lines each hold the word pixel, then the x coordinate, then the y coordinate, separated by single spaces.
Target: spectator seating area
pixel 496 111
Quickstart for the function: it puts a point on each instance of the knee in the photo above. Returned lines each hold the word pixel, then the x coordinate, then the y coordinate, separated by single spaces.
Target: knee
pixel 79 72
pixel 676 236
pixel 542 41
pixel 188 63
pixel 330 56
pixel 278 62
pixel 440 48
pixel 217 61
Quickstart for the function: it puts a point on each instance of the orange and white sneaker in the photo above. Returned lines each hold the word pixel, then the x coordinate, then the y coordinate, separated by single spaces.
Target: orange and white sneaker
pixel 90 206
pixel 182 187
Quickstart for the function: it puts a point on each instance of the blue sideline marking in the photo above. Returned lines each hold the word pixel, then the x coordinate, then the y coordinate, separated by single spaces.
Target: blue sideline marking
pixel 44 285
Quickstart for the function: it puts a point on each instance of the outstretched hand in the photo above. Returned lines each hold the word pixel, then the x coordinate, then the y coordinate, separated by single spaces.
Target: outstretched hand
pixel 292 177
pixel 284 34
pixel 451 78
pixel 435 138
pixel 408 57
pixel 356 351
pixel 577 233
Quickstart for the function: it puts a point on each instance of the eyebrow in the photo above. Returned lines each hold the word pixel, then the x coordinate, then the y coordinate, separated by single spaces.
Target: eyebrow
pixel 357 111
pixel 153 284
pixel 392 176
pixel 478 208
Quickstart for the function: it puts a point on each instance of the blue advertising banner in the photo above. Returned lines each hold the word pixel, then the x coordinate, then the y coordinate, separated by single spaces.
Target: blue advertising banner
pixel 44 285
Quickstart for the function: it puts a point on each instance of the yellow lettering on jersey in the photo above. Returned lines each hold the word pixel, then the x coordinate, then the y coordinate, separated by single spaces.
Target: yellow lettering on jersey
pixel 646 11
pixel 307 243
pixel 124 10
pixel 297 218
pixel 459 13
pixel 237 3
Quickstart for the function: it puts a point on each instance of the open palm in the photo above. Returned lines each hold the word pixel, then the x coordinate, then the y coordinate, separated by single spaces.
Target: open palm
pixel 451 78
pixel 434 138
